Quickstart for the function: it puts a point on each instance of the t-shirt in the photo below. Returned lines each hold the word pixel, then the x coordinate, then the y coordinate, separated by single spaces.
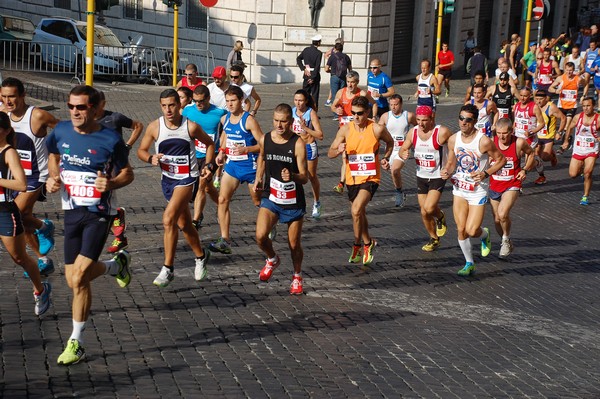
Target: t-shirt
pixel 529 58
pixel 379 83
pixel 209 120
pixel 115 121
pixel 445 58
pixel 339 63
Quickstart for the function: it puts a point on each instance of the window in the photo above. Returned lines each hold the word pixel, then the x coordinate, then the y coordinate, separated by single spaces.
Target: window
pixel 133 9
pixel 65 4
pixel 196 15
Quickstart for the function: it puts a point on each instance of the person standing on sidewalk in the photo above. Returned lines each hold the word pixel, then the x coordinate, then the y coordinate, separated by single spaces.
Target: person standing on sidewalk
pixel 281 172
pixel 117 121
pixel 31 125
pixel 380 87
pixel 87 162
pixel 309 62
pixel 338 65
pixel 469 49
pixel 359 140
pixel 467 165
pixel 173 136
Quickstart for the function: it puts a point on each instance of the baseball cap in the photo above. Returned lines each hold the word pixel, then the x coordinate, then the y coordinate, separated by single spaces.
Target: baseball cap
pixel 532 44
pixel 219 72
pixel 317 38
pixel 503 76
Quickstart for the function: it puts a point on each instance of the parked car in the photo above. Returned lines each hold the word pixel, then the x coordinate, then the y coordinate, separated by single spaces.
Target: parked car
pixel 14 33
pixel 62 42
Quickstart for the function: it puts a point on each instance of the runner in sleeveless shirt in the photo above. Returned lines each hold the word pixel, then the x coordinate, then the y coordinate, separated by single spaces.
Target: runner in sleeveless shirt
pixel 486 108
pixel 359 139
pixel 308 127
pixel 528 121
pixel 397 121
pixel 503 95
pixel 590 56
pixel 506 183
pixel 12 178
pixel 238 151
pixel 586 146
pixel 190 79
pixel 468 151
pixel 566 86
pixel 546 70
pixel 479 78
pixel 544 150
pixel 428 87
pixel 175 154
pixel 280 174
pixel 87 162
pixel 31 125
pixel 427 140
pixel 577 59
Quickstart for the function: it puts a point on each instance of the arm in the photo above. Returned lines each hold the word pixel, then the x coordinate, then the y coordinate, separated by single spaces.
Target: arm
pixel 511 57
pixel 384 119
pixel 302 176
pixel 450 165
pixel 555 86
pixel 468 95
pixel 221 156
pixel 316 132
pixel 487 146
pixel 524 148
pixel 558 114
pixel 254 128
pixel 123 178
pixel 137 128
pixel 41 121
pixel 19 181
pixel 196 132
pixel 381 133
pixel 339 143
pixel 257 102
pixel 436 87
pixel 260 166
pixel 149 137
pixel 403 152
pixel 540 120
pixel 53 182
pixel 372 101
pixel 336 103
pixel 556 68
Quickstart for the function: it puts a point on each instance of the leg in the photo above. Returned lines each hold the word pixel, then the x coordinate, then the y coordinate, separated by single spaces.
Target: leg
pixel 503 210
pixel 588 168
pixel 575 168
pixel 200 200
pixel 430 210
pixel 295 244
pixel 474 220
pixel 359 217
pixel 228 186
pixel 79 276
pixel 181 197
pixel 314 179
pixel 177 204
pixel 397 173
pixel 497 222
pixel 15 246
pixel 255 195
pixel 25 201
pixel 264 223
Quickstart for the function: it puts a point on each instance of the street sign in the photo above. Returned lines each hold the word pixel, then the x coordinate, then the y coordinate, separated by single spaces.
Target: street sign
pixel 208 3
pixel 541 9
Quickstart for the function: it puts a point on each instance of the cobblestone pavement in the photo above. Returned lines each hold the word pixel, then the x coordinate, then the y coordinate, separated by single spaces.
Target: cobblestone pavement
pixel 407 326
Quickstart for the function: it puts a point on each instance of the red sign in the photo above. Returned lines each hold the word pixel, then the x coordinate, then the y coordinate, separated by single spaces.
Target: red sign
pixel 538 10
pixel 208 3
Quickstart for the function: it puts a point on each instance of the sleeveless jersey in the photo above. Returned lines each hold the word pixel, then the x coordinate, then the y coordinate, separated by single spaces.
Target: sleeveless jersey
pixel 586 137
pixel 179 155
pixel 576 61
pixel 288 195
pixel 185 83
pixel 346 104
pixel 468 159
pixel 504 102
pixel 32 149
pixel 545 74
pixel 362 155
pixel 484 123
pixel 425 91
pixel 5 173
pixel 297 127
pixel 568 93
pixel 398 126
pixel 506 177
pixel 237 135
pixel 590 57
pixel 525 119
pixel 428 154
pixel 549 129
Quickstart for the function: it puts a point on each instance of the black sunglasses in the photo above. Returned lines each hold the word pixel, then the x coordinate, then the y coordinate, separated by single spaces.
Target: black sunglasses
pixel 79 107
pixel 359 113
pixel 465 119
pixel 234 76
pixel 374 67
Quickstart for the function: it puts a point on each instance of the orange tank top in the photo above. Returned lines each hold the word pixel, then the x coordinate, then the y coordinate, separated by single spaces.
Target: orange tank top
pixel 346 104
pixel 362 155
pixel 568 93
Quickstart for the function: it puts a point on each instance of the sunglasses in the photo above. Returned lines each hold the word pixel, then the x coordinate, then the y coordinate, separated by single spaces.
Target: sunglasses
pixel 234 76
pixel 359 113
pixel 190 74
pixel 374 67
pixel 465 119
pixel 79 107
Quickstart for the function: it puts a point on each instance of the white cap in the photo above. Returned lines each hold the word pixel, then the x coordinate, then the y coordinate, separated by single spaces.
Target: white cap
pixel 317 38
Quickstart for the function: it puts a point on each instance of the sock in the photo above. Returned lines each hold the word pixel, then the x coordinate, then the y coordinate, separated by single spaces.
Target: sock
pixel 484 234
pixel 78 328
pixel 298 274
pixel 399 189
pixel 112 267
pixel 505 237
pixel 171 269
pixel 274 259
pixel 43 259
pixel 465 247
pixel 317 203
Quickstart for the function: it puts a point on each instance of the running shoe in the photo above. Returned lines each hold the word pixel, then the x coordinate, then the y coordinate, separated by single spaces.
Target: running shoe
pixel 432 245
pixel 42 301
pixel 217 183
pixel 355 255
pixel 196 224
pixel 46 237
pixel 221 245
pixel 328 102
pixel 447 92
pixel 467 270
pixel 164 278
pixel 486 244
pixel 72 354
pixel 273 233
pixel 46 267
pixel 441 226
pixel 316 212
pixel 118 244
pixel 400 199
pixel 540 180
pixel 584 201
pixel 506 248
pixel 296 286
pixel 368 252
pixel 118 226
pixel 267 270
pixel 339 188
pixel 123 259
pixel 201 270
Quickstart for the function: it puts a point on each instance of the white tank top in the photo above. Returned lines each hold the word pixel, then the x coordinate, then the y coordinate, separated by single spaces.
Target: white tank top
pixel 179 152
pixel 586 137
pixel 398 126
pixel 428 154
pixel 469 159
pixel 36 144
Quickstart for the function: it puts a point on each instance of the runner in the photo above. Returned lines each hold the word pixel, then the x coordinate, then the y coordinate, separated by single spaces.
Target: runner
pixel 31 125
pixel 468 152
pixel 546 70
pixel 528 121
pixel 585 146
pixel 282 168
pixel 12 178
pixel 479 78
pixel 87 162
pixel 239 147
pixel 506 183
pixel 544 150
pixel 173 136
pixel 307 125
pixel 190 79
pixel 428 87
pixel 503 94
pixel 360 141
pixel 397 122
pixel 590 56
pixel 566 86
pixel 380 87
pixel 486 109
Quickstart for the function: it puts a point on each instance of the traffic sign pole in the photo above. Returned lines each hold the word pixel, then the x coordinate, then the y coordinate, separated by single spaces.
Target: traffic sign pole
pixel 527 28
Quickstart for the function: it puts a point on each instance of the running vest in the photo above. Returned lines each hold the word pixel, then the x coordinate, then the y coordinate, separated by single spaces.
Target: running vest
pixel 297 127
pixel 288 195
pixel 32 149
pixel 346 104
pixel 428 154
pixel 504 102
pixel 237 135
pixel 576 62
pixel 185 83
pixel 425 91
pixel 468 159
pixel 362 155
pixel 5 173
pixel 179 154
pixel 545 74
pixel 549 129
pixel 525 119
pixel 398 126
pixel 590 57
pixel 568 93
pixel 483 123
pixel 586 137
pixel 506 177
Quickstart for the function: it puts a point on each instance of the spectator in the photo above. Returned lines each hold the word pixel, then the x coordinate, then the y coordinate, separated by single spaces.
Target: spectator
pixel 338 66
pixel 235 55
pixel 469 48
pixel 477 63
pixel 309 62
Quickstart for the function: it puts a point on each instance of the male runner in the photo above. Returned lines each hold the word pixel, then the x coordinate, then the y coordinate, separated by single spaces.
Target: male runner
pixel 31 125
pixel 566 86
pixel 479 78
pixel 173 135
pixel 190 79
pixel 503 94
pixel 428 86
pixel 398 122
pixel 380 86
pixel 87 162
pixel 427 140
pixel 219 87
pixel 468 151
pixel 590 56
pixel 360 141
pixel 528 121
pixel 487 110
pixel 546 70
pixel 544 150
pixel 283 169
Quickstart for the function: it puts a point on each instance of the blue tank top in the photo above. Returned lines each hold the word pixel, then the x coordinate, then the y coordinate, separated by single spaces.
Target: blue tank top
pixel 237 135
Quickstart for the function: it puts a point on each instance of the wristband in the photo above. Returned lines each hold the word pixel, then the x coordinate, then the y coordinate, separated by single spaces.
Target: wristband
pixel 150 159
pixel 128 146
pixel 222 150
pixel 486 173
pixel 211 166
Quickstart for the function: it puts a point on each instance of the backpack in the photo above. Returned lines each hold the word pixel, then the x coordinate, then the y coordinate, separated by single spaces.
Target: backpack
pixel 341 66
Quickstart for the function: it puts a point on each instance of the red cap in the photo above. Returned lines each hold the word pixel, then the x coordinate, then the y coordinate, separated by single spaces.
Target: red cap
pixel 219 72
pixel 424 110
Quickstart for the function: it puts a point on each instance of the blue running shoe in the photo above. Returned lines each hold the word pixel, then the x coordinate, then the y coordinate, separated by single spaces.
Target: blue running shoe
pixel 467 270
pixel 45 267
pixel 46 237
pixel 584 201
pixel 486 245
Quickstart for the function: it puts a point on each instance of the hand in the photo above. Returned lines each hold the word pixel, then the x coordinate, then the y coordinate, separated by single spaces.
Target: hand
pixel 53 184
pixel 205 173
pixel 404 154
pixel 155 160
pixel 444 174
pixel 385 164
pixel 220 159
pixel 240 150
pixel 286 175
pixel 477 176
pixel 258 185
pixel 341 148
pixel 102 182
pixel 339 111
pixel 521 175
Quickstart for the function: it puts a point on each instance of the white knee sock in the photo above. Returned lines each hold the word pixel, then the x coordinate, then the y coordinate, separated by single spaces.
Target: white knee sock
pixel 78 328
pixel 465 247
pixel 112 267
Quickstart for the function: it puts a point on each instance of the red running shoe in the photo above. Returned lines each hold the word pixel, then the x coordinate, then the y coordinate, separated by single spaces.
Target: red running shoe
pixel 296 287
pixel 118 226
pixel 267 271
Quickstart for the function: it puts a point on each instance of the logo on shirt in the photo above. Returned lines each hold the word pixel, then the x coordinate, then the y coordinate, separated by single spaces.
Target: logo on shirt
pixel 92 151
pixel 75 159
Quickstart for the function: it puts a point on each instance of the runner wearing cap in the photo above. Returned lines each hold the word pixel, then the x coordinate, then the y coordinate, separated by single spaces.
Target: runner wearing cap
pixel 427 140
pixel 219 87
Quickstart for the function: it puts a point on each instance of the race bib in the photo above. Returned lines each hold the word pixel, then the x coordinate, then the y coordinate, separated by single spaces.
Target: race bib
pixel 297 126
pixel 81 187
pixel 175 166
pixel 425 161
pixel 282 193
pixel 344 120
pixel 569 95
pixel 504 174
pixel 231 144
pixel 26 161
pixel 503 113
pixel 545 79
pixel 463 184
pixel 585 142
pixel 200 146
pixel 398 141
pixel 2 195
pixel 362 165
pixel 522 125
